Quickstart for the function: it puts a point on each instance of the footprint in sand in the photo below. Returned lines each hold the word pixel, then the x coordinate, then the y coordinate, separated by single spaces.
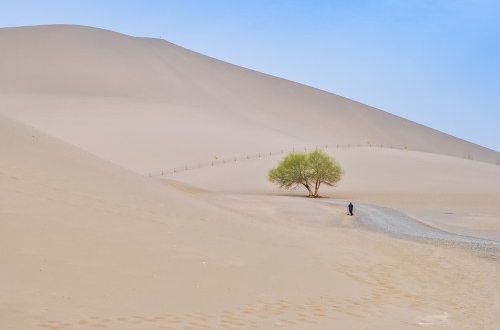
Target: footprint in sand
pixel 432 319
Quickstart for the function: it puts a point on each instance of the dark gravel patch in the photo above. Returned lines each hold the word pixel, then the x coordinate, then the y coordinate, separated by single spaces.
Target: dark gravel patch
pixel 397 224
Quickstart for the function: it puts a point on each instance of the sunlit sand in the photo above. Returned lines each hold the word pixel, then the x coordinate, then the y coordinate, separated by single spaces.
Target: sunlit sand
pixel 93 236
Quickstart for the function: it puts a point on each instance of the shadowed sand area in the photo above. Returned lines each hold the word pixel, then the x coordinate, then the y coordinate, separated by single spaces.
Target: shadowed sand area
pixel 89 241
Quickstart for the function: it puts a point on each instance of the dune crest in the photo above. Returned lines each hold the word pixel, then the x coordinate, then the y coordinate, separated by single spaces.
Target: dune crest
pixel 69 80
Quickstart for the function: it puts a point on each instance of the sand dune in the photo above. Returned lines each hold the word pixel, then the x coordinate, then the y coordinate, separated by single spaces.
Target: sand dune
pixel 88 241
pixel 452 194
pixel 139 97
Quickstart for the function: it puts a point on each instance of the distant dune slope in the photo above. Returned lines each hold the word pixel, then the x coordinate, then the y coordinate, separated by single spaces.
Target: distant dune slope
pixel 150 104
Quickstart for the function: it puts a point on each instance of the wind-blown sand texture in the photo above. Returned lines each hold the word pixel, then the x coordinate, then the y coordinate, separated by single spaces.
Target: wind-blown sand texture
pixel 93 236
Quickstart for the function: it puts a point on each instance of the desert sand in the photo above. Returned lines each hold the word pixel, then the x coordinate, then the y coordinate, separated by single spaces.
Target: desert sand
pixel 134 196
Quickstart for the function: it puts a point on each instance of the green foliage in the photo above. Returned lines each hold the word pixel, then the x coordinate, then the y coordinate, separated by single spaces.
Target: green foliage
pixel 306 169
pixel 291 172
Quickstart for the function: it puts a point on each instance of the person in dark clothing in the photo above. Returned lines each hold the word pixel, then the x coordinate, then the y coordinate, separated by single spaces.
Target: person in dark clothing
pixel 351 207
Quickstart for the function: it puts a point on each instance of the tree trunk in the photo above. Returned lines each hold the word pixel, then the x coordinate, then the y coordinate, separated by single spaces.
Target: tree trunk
pixel 308 189
pixel 316 188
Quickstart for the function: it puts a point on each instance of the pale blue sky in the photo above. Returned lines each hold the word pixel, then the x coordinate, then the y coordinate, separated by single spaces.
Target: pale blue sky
pixel 436 62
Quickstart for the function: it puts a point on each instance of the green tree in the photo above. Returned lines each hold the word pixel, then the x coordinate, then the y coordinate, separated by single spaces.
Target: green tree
pixel 323 169
pixel 291 172
pixel 306 169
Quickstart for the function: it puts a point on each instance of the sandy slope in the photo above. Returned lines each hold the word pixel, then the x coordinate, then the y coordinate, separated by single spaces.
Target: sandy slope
pixel 452 194
pixel 86 243
pixel 147 104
